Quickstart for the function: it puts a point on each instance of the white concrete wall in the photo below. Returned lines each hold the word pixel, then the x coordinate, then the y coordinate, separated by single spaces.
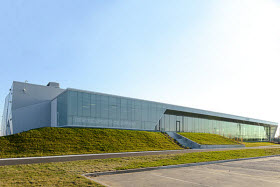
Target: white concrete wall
pixel 31 107
pixel 32 117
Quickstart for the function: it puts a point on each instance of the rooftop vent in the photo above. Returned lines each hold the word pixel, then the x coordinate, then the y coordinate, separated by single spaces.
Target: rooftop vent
pixel 53 84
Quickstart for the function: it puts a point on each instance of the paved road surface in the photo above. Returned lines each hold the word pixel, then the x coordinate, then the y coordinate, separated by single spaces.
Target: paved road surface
pixel 64 158
pixel 256 172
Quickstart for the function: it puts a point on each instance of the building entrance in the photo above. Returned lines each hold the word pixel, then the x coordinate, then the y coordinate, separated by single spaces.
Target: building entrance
pixel 178 126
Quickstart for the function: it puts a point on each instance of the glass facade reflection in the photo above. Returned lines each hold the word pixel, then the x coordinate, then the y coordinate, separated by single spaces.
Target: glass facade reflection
pixel 77 108
pixel 247 132
pixel 89 109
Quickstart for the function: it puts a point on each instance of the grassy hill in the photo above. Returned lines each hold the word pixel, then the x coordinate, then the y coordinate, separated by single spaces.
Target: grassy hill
pixel 258 144
pixel 208 139
pixel 59 141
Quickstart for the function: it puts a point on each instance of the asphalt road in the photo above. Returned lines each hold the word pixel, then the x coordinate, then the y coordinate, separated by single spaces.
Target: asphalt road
pixel 255 172
pixel 64 158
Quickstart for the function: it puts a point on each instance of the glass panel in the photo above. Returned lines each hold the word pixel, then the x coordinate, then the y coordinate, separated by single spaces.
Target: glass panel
pixel 167 122
pixel 86 104
pixel 138 111
pixel 172 123
pixel 62 109
pixel 129 109
pixel 92 105
pixel 123 109
pixel 144 111
pixel 104 106
pixel 73 103
pixel 80 104
pixel 113 108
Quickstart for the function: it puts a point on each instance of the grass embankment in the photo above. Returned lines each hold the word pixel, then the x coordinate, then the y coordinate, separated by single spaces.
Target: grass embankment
pixel 69 173
pixel 208 139
pixel 257 144
pixel 62 141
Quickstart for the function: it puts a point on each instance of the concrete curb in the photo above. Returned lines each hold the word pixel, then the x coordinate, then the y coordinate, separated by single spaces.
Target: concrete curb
pixel 170 166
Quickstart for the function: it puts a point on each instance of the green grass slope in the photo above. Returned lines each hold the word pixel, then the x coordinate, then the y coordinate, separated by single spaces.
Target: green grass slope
pixel 69 173
pixel 58 141
pixel 208 139
pixel 258 144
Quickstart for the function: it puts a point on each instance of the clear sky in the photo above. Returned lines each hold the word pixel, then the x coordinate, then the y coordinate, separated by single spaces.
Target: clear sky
pixel 216 55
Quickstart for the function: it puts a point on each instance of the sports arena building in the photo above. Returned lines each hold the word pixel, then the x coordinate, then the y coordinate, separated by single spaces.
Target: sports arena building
pixel 29 106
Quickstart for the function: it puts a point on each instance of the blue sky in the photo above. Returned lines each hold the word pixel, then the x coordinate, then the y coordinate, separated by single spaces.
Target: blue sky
pixel 209 54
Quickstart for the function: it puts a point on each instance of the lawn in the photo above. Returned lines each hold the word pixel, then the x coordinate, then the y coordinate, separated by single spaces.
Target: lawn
pixel 257 144
pixel 208 139
pixel 61 141
pixel 69 173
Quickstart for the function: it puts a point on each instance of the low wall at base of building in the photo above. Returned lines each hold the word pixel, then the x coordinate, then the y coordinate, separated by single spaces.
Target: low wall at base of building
pixel 220 146
pixel 185 142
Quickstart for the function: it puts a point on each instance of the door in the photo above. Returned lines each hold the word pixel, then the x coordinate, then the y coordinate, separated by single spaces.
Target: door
pixel 178 126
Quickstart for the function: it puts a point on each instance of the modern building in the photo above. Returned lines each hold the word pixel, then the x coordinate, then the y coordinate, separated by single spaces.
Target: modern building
pixel 30 106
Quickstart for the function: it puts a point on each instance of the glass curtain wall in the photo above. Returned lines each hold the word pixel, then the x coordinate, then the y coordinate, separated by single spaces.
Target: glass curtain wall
pixel 77 108
pixel 87 109
pixel 224 128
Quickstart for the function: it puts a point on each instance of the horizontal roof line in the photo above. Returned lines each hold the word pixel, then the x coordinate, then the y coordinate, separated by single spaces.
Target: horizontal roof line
pixel 185 109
